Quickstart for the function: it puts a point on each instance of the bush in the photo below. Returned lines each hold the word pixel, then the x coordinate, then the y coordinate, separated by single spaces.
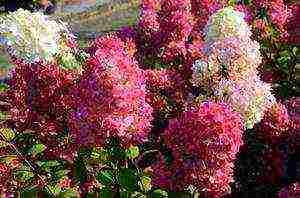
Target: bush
pixel 174 106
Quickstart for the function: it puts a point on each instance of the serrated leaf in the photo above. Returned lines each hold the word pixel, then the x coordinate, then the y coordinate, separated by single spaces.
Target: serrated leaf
pixel 159 194
pixel 37 149
pixel 132 152
pixel 24 174
pixel 128 179
pixel 7 133
pixel 105 177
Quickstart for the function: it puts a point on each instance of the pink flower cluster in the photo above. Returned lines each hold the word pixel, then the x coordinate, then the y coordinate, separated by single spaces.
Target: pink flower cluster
pixel 166 25
pixel 110 97
pixel 40 102
pixel 5 175
pixel 164 85
pixel 204 142
pixel 275 123
pixel 263 14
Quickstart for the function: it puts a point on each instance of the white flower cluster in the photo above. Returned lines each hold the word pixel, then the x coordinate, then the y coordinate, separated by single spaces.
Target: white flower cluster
pixel 31 36
pixel 230 68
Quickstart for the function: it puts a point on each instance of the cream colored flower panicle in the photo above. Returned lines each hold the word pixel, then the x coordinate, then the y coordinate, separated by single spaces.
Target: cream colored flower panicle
pixel 226 23
pixel 31 36
pixel 249 97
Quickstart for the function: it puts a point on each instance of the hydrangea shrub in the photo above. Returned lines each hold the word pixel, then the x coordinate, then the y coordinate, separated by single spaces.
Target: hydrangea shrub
pixel 176 106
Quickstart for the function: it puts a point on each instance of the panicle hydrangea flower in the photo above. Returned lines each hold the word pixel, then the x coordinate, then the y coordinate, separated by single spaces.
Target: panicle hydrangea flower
pixel 275 14
pixel 165 85
pixel 231 58
pixel 293 24
pixel 226 23
pixel 279 13
pixel 129 37
pixel 275 123
pixel 166 27
pixel 39 97
pixel 110 97
pixel 149 23
pixel 40 87
pixel 202 9
pixel 5 177
pixel 32 36
pixel 204 142
pixel 293 106
pixel 249 97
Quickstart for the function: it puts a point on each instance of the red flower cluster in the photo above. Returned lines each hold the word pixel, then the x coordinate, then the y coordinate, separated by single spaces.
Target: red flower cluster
pixel 204 142
pixel 5 177
pixel 38 90
pixel 263 14
pixel 109 100
pixel 40 102
pixel 165 85
pixel 166 25
pixel 275 123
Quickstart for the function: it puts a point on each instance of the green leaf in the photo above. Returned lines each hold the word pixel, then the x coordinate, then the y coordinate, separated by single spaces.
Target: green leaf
pixel 68 194
pixel 100 155
pixel 231 2
pixel 80 169
pixel 125 194
pixel 159 194
pixel 3 87
pixel 138 195
pixel 24 174
pixel 3 116
pixel 118 153
pixel 37 149
pixel 106 177
pixel 8 158
pixel 60 174
pixel 3 144
pixel 8 134
pixel 106 193
pixel 29 192
pixel 128 179
pixel 132 152
pixel 48 165
pixel 55 189
pixel 247 2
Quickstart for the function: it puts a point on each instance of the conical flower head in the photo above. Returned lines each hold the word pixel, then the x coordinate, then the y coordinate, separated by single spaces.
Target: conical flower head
pixel 31 36
pixel 226 23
